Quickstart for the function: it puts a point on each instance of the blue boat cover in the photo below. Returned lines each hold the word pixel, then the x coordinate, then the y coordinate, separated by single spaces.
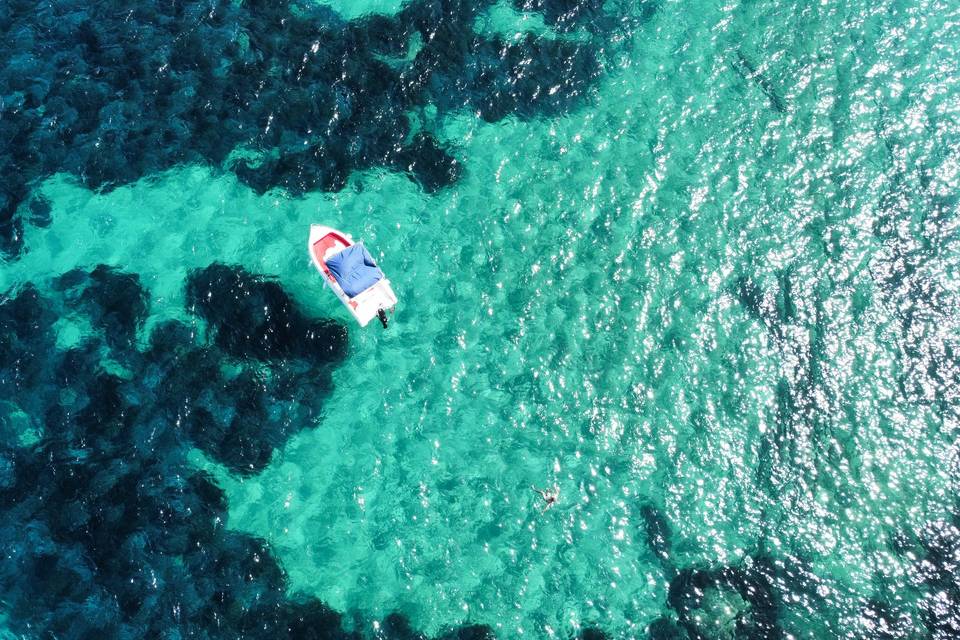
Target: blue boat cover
pixel 354 269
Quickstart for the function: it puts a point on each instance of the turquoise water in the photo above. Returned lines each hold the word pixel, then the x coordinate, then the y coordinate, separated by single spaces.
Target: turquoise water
pixel 714 305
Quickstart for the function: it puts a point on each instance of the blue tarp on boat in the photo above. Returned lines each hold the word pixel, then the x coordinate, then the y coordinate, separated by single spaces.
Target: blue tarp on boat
pixel 354 269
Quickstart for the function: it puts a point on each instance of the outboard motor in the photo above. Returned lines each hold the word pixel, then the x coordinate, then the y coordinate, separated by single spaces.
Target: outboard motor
pixel 383 317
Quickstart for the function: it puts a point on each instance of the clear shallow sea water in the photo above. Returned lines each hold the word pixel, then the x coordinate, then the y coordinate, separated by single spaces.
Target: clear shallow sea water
pixel 714 305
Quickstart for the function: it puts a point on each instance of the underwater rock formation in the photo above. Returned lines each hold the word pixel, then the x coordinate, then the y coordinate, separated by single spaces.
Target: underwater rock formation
pixel 105 526
pixel 746 70
pixel 939 572
pixel 106 529
pixel 565 15
pixel 664 628
pixel 592 633
pixel 396 627
pixel 658 536
pixel 111 92
pixel 469 632
pixel 255 318
pixel 114 302
pixel 724 602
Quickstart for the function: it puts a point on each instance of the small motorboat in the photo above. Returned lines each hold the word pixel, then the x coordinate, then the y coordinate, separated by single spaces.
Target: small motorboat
pixel 350 270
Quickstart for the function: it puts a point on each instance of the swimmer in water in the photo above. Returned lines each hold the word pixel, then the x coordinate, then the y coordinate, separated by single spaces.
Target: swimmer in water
pixel 549 497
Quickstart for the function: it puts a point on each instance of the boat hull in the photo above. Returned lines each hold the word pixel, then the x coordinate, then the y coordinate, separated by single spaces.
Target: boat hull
pixel 325 242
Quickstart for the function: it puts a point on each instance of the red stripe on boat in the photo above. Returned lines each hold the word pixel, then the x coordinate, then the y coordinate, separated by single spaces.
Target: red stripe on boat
pixel 321 246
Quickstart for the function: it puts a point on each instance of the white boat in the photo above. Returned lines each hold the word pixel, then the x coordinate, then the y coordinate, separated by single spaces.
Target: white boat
pixel 351 272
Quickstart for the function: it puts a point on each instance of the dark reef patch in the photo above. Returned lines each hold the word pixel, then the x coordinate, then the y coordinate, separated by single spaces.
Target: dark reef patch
pixel 105 527
pixel 703 598
pixel 255 318
pixel 428 164
pixel 938 571
pixel 941 542
pixel 396 627
pixel 565 14
pixel 750 599
pixel 743 600
pixel 664 629
pixel 657 533
pixel 746 70
pixel 111 92
pixel 592 633
pixel 114 302
pixel 40 211
pixel 469 632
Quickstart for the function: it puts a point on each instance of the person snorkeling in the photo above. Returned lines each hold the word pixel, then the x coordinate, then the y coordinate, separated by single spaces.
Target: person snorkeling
pixel 549 497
